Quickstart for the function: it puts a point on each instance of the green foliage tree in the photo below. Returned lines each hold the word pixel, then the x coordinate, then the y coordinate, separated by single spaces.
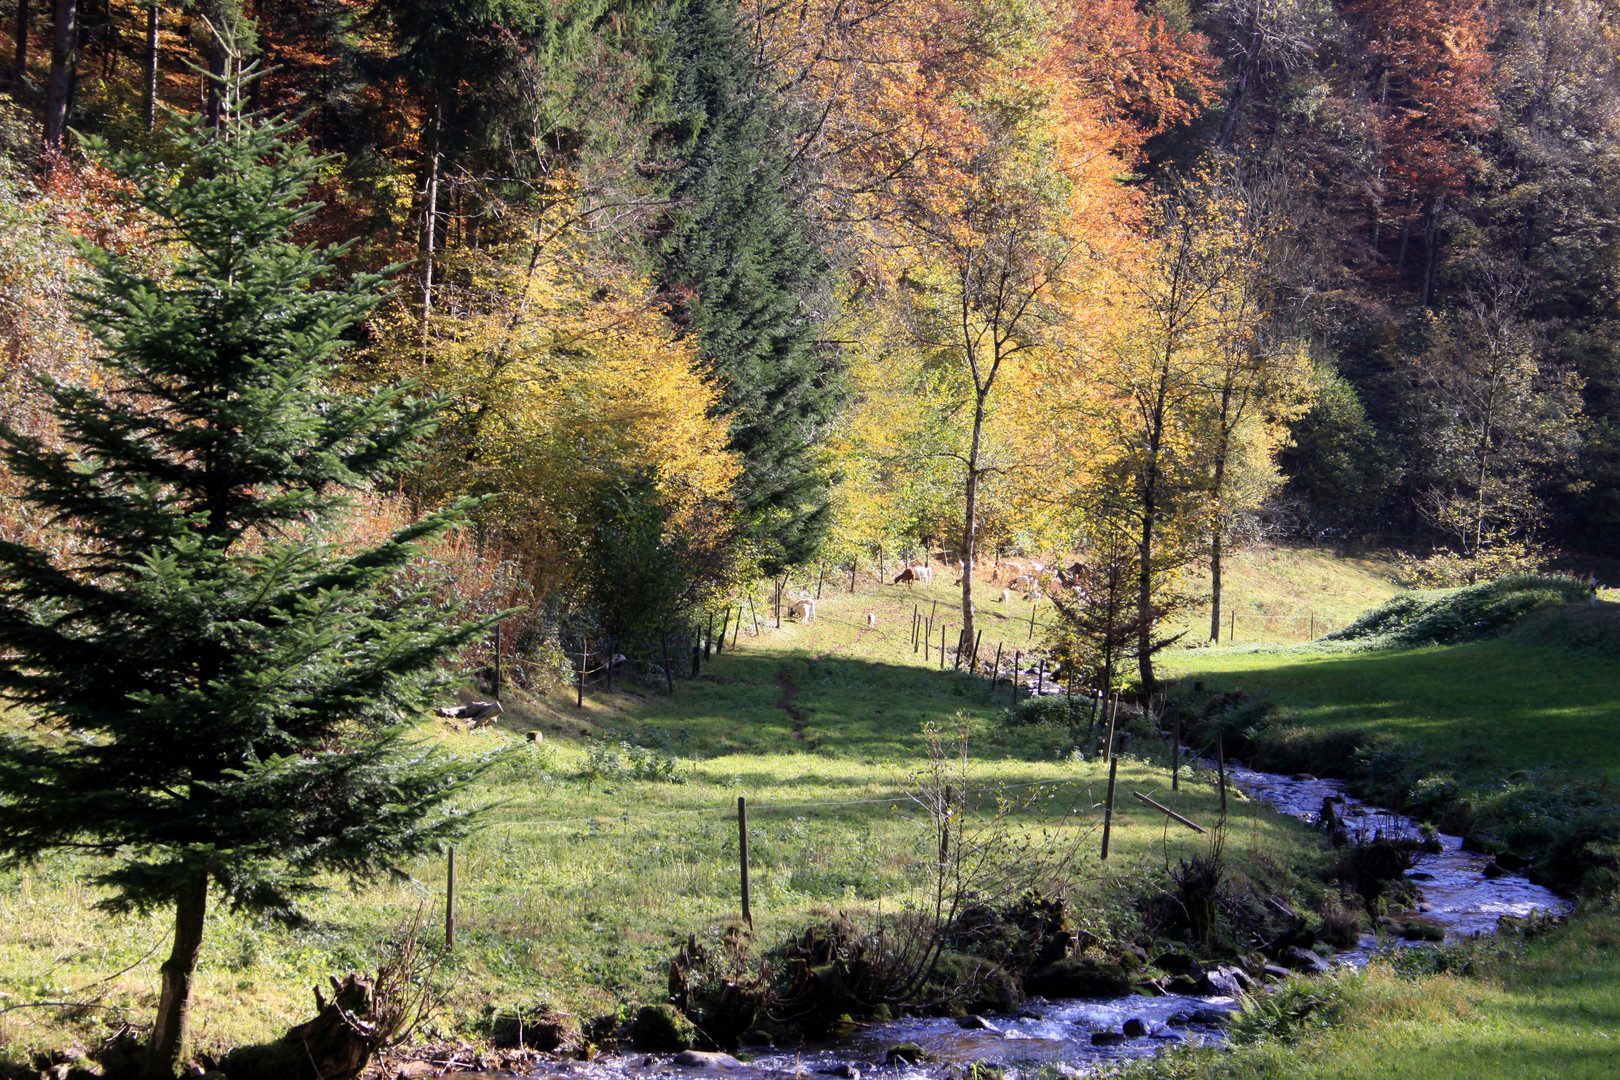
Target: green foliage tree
pixel 218 690
pixel 741 244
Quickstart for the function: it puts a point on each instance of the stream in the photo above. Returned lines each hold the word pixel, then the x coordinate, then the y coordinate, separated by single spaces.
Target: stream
pixel 1058 1035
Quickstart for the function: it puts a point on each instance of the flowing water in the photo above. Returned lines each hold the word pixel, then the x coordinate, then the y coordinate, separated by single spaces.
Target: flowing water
pixel 1058 1035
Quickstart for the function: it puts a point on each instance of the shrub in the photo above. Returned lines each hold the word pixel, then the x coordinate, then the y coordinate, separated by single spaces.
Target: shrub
pixel 1453 616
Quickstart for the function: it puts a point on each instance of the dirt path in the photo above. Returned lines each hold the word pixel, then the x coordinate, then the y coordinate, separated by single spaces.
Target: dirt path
pixel 790 691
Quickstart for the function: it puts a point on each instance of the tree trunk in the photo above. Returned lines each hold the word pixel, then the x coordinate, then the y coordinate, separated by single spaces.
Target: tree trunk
pixel 430 219
pixel 152 19
pixel 970 518
pixel 1216 536
pixel 21 71
pixel 64 61
pixel 216 73
pixel 169 1031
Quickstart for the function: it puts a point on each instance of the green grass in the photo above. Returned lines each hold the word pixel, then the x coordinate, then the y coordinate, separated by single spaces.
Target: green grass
pixel 1289 594
pixel 586 880
pixel 1484 708
pixel 1548 1009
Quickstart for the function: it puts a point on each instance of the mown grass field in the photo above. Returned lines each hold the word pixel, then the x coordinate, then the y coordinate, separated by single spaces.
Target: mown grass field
pixel 1482 708
pixel 586 878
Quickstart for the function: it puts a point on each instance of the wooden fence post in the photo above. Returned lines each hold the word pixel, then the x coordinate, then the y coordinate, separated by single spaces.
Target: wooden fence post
pixel 497 662
pixel 1108 806
pixel 584 658
pixel 973 665
pixel 996 675
pixel 450 902
pixel 1017 656
pixel 821 579
pixel 725 624
pixel 742 850
pixel 1033 605
pixel 942 628
pixel 1175 754
pixel 1113 718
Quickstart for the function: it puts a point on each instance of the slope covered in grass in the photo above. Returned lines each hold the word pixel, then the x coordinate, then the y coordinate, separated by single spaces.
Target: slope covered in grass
pixel 1286 593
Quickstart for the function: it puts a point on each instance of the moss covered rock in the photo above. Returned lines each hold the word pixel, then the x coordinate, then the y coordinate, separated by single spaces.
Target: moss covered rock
pixel 1080 977
pixel 662 1028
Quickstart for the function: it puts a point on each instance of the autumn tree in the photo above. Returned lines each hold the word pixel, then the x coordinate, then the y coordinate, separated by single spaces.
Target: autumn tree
pixel 235 684
pixel 1184 346
pixel 1431 71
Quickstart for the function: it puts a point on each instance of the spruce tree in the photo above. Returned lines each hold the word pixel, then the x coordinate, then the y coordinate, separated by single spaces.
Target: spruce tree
pixel 219 690
pixel 742 241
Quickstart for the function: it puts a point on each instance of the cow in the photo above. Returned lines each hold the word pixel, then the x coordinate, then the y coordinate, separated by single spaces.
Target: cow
pixel 1006 596
pixel 911 575
pixel 871 620
pixel 804 610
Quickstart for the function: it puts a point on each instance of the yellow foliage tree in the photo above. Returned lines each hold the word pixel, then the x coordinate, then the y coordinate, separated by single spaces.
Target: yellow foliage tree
pixel 561 376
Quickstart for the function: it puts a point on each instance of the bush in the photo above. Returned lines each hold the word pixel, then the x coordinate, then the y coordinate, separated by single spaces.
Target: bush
pixel 1453 616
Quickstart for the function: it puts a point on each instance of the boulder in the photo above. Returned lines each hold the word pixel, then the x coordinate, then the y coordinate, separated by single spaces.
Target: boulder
pixel 1184 984
pixel 1080 977
pixel 705 1059
pixel 1178 1019
pixel 907 1053
pixel 1176 963
pixel 1224 981
pixel 1212 1017
pixel 1511 862
pixel 977 1023
pixel 1273 971
pixel 1493 870
pixel 1304 960
pixel 1106 1038
pixel 844 1069
pixel 1135 1028
pixel 662 1028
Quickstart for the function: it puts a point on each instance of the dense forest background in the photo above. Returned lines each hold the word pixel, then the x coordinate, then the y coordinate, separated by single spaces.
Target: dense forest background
pixel 716 292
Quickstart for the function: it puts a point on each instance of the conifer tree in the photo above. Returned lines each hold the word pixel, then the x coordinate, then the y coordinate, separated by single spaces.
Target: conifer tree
pixel 217 688
pixel 742 242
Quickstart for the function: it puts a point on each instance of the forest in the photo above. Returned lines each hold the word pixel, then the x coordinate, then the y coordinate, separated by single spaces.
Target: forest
pixel 365 356
pixel 717 293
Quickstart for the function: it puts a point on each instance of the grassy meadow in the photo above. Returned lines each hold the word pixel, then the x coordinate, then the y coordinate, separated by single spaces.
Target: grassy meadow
pixel 614 838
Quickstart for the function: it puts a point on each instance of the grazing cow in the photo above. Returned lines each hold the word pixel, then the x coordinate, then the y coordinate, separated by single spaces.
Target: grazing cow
pixel 871 620
pixel 1006 596
pixel 911 575
pixel 804 610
